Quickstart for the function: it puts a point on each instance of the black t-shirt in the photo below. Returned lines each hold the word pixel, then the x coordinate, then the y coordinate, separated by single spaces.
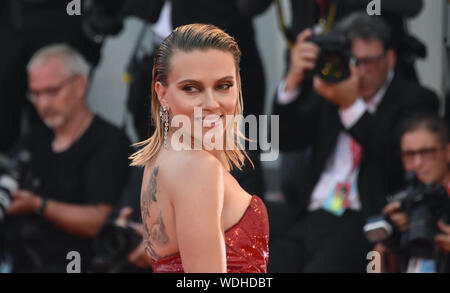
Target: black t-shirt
pixel 93 170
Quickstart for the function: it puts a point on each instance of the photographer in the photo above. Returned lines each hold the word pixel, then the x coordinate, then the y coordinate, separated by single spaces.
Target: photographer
pixel 350 126
pixel 80 160
pixel 321 15
pixel 25 27
pixel 425 149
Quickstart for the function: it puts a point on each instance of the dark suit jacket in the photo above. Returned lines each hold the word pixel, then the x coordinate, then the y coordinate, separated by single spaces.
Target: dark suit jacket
pixel 313 121
pixel 306 13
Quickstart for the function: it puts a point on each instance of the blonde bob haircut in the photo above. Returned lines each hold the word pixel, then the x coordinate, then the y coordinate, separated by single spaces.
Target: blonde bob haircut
pixel 188 38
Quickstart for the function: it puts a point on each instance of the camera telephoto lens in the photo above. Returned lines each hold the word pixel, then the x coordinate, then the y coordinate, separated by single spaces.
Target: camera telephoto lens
pixel 7 184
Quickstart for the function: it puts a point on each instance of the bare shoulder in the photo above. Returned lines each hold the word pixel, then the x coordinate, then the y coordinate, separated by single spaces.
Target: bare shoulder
pixel 194 165
pixel 197 197
pixel 200 157
pixel 194 174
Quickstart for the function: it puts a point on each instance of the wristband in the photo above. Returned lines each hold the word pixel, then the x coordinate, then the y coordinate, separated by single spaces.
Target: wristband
pixel 41 209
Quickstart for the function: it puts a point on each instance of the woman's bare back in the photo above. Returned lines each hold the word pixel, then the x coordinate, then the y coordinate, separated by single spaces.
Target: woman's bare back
pixel 158 214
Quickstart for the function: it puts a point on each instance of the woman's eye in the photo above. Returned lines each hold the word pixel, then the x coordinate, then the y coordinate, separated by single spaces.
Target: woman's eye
pixel 225 86
pixel 189 88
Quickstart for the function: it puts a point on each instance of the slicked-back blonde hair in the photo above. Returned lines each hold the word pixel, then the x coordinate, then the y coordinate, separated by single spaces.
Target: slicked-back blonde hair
pixel 188 38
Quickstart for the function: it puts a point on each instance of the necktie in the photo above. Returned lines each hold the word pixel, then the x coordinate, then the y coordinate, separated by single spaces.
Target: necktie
pixel 356 150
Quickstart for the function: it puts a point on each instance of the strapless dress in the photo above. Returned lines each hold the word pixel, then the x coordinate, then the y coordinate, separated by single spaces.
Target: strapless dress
pixel 246 244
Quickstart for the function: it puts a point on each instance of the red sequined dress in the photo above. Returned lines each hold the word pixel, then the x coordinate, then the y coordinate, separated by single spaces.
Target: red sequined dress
pixel 246 244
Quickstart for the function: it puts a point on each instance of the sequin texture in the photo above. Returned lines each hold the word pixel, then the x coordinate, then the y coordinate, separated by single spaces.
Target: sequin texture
pixel 246 244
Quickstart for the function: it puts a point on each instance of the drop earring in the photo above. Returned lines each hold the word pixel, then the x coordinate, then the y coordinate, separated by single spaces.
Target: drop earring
pixel 164 114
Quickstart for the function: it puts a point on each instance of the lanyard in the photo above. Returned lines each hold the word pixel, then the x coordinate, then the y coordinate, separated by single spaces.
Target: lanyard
pixel 287 33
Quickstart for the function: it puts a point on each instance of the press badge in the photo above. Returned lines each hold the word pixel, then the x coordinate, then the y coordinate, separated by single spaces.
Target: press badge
pixel 338 199
pixel 421 265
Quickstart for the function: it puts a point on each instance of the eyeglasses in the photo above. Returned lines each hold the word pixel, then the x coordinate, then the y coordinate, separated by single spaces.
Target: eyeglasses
pixel 369 61
pixel 50 92
pixel 426 154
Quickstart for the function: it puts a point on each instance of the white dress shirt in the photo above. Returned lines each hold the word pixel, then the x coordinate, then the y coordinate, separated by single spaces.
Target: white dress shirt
pixel 339 164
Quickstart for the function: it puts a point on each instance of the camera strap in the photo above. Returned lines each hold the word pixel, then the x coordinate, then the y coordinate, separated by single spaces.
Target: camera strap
pixel 126 78
pixel 325 21
pixel 133 72
pixel 287 33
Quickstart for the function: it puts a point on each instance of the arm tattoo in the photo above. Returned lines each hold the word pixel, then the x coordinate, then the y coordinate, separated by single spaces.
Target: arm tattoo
pixel 149 195
pixel 156 234
pixel 152 189
pixel 149 250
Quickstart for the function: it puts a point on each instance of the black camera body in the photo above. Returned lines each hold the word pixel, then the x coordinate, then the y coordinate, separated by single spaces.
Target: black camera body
pixel 424 204
pixel 112 246
pixel 15 174
pixel 105 17
pixel 332 64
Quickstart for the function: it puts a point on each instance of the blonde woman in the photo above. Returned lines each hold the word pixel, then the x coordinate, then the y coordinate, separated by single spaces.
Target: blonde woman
pixel 196 216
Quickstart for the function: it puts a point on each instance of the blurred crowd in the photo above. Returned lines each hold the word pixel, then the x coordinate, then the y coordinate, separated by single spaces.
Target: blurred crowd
pixel 365 147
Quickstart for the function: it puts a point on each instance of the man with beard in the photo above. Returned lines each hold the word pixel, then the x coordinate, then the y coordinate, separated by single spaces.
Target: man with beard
pixel 25 27
pixel 80 160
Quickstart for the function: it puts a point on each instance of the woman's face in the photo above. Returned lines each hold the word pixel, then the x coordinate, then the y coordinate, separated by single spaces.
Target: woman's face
pixel 204 81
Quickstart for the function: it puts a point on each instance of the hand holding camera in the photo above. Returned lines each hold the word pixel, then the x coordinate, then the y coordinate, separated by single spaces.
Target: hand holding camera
pixel 24 202
pixel 443 239
pixel 120 242
pixel 327 57
pixel 418 212
pixel 303 59
pixel 138 256
pixel 15 178
pixel 397 216
pixel 343 94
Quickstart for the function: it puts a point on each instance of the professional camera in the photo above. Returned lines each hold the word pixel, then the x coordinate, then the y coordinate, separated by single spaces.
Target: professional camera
pixel 15 174
pixel 112 247
pixel 105 17
pixel 102 18
pixel 332 64
pixel 424 204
